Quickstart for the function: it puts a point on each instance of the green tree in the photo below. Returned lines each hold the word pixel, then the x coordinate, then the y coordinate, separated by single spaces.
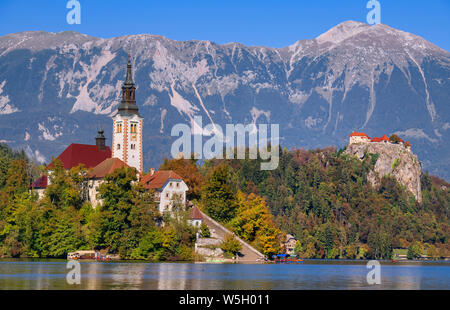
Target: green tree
pixel 394 138
pixel 415 250
pixel 217 197
pixel 128 212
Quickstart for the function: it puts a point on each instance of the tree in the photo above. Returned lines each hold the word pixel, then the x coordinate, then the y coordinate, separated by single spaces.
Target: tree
pixel 298 249
pixel 254 223
pixel 217 196
pixel 188 170
pixel 415 250
pixel 394 139
pixel 380 244
pixel 128 211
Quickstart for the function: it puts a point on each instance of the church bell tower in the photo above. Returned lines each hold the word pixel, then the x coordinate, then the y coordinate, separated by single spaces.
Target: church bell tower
pixel 127 126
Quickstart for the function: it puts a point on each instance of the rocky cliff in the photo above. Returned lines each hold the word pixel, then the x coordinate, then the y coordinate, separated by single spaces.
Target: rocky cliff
pixel 394 160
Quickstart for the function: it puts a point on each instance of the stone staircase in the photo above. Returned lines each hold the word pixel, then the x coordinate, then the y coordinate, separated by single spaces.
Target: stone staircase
pixel 248 254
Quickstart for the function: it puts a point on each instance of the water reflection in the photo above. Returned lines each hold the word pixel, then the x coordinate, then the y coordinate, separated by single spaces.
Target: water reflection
pixel 19 274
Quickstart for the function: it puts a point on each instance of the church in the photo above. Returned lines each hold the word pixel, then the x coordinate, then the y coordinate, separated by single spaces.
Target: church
pixel 126 151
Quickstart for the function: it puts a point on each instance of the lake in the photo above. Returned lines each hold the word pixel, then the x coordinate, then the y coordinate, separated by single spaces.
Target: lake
pixel 313 274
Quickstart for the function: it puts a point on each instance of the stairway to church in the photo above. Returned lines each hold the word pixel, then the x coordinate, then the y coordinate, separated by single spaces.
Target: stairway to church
pixel 248 253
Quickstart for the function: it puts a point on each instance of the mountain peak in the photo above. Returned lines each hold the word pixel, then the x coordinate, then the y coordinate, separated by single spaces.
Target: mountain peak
pixel 342 32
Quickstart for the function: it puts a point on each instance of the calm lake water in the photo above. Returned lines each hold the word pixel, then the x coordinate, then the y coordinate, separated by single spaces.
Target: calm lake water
pixel 51 274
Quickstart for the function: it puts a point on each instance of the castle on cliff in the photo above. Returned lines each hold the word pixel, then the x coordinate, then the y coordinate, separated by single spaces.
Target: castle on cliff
pixel 360 137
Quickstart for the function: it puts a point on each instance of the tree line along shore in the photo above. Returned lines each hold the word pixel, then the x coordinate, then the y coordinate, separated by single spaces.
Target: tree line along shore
pixel 321 196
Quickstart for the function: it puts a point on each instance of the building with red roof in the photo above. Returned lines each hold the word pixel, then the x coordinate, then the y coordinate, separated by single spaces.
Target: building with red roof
pixel 169 187
pixel 359 137
pixel 83 154
pixel 408 145
pixel 75 155
pixel 195 217
pixel 383 139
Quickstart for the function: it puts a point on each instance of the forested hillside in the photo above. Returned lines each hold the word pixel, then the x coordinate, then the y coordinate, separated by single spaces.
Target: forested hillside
pixel 320 196
pixel 323 198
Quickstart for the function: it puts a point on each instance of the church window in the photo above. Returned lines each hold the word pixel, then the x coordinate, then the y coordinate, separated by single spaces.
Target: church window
pixel 119 128
pixel 133 146
pixel 118 146
pixel 133 128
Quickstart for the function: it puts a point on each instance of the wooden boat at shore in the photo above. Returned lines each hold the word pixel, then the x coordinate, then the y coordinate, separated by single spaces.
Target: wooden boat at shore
pixel 88 255
pixel 286 259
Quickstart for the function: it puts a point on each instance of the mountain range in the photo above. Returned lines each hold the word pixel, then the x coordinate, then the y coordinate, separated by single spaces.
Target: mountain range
pixel 57 88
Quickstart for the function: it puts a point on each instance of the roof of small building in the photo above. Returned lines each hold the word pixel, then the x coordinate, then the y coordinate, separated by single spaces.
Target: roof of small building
pixel 158 179
pixel 289 237
pixel 40 183
pixel 359 134
pixel 88 155
pixel 383 138
pixel 106 167
pixel 195 214
pixel 407 143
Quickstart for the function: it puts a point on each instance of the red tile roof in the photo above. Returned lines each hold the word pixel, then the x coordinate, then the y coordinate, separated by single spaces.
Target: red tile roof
pixel 89 155
pixel 159 179
pixel 40 183
pixel 383 138
pixel 359 134
pixel 107 167
pixel 195 214
pixel 407 143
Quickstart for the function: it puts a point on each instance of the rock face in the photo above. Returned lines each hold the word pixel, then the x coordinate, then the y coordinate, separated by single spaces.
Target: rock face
pixel 394 160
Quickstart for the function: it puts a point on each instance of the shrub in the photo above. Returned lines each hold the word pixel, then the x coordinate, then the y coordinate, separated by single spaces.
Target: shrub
pixel 230 246
pixel 395 163
pixel 205 231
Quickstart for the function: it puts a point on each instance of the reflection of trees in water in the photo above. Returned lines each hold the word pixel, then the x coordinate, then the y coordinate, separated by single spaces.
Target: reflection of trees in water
pixel 174 276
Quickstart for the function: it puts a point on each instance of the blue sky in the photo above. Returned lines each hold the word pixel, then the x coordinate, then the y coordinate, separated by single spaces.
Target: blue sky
pixel 265 23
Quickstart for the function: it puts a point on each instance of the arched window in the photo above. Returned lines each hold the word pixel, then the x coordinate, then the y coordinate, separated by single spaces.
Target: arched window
pixel 118 146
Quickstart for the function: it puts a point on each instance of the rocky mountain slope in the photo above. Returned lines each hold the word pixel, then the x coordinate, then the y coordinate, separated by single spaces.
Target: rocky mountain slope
pixel 394 160
pixel 55 89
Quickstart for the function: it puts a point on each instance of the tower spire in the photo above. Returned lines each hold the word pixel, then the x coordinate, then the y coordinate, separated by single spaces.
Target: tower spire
pixel 128 103
pixel 129 78
pixel 128 125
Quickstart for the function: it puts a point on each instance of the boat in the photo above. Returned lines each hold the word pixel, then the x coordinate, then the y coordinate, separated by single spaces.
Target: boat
pixel 286 259
pixel 89 255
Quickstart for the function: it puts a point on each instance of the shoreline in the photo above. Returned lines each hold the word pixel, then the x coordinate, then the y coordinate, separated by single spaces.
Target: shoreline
pixel 306 262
